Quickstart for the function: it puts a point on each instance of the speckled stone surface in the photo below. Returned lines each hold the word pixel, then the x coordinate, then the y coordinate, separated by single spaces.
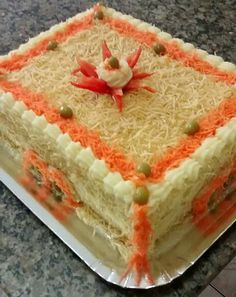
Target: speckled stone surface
pixel 33 261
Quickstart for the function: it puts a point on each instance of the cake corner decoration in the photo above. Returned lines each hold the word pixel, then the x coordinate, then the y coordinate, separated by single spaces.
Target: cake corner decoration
pixel 139 262
pixel 112 76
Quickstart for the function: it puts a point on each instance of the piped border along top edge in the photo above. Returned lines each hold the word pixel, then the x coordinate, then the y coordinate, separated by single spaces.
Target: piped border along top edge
pixel 136 22
pixel 187 47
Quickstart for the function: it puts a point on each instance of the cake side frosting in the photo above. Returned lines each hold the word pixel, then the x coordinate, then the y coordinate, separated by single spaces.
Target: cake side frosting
pixel 214 152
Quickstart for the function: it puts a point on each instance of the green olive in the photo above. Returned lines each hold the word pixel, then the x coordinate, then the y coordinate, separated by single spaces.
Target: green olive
pixel 52 45
pixel 114 62
pixel 159 49
pixel 66 112
pixel 99 15
pixel 57 193
pixel 141 195
pixel 191 127
pixel 144 168
pixel 213 202
pixel 36 175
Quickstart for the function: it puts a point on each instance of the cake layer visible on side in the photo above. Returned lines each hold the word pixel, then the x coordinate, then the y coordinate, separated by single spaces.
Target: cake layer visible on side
pixel 170 200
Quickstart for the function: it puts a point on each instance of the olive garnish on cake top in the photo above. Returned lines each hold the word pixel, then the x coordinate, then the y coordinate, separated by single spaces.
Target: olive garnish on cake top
pixel 112 76
pixel 159 49
pixel 66 112
pixel 191 127
pixel 99 15
pixel 113 62
pixel 52 45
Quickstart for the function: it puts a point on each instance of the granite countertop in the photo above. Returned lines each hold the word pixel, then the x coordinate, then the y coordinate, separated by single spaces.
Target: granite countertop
pixel 33 261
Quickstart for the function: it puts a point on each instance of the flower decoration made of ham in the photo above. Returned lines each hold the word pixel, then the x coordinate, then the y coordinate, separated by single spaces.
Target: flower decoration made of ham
pixel 112 76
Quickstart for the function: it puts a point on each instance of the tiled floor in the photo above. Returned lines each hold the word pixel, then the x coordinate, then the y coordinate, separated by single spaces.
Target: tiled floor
pixel 224 284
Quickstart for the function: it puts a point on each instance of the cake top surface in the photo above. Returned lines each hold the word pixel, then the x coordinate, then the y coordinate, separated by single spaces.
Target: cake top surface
pixel 150 123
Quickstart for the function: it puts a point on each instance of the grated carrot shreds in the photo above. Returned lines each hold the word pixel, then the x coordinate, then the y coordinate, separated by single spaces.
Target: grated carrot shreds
pixel 124 27
pixel 194 61
pixel 142 231
pixel 115 160
pixel 216 118
pixel 173 50
pixel 17 61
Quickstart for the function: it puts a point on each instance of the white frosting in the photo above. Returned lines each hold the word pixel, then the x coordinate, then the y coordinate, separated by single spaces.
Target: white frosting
pixel 178 40
pixel 19 107
pixel 164 35
pixel 72 149
pixel 28 115
pixel 63 140
pixel 40 122
pixel 111 180
pixel 85 158
pixel 187 47
pixel 115 78
pixel 149 28
pixel 213 60
pixel 6 101
pixel 52 130
pixel 201 53
pixel 227 66
pixel 98 169
pixel 124 190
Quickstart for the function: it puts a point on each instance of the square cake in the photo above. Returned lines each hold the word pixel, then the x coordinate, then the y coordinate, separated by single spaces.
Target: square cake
pixel 131 128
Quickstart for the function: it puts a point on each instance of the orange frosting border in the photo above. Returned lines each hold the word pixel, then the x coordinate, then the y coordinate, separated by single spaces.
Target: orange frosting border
pixel 36 102
pixel 216 118
pixel 117 161
pixel 172 48
pixel 17 61
pixel 142 232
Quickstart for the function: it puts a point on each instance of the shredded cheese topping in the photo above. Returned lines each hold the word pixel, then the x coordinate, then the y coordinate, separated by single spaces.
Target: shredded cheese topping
pixel 150 123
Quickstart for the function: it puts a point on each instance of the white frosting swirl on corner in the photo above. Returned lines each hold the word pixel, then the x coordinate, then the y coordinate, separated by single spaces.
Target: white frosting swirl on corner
pixel 115 78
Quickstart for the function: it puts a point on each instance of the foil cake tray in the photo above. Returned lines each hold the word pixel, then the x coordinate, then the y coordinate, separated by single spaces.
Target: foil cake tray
pixel 179 251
